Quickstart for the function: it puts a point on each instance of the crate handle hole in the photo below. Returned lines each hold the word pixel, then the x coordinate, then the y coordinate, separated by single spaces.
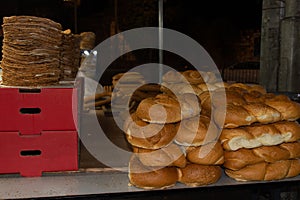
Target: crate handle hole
pixel 35 90
pixel 31 153
pixel 30 110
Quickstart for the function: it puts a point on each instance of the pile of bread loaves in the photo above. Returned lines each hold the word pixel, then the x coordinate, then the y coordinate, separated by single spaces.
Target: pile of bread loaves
pixel 179 135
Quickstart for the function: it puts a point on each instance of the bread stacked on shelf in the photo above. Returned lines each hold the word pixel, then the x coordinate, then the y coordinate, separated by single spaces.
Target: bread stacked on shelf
pixel 31 51
pixel 70 55
pixel 260 136
pixel 172 142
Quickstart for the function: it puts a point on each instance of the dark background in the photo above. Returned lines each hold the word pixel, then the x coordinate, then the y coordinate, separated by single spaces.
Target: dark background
pixel 224 28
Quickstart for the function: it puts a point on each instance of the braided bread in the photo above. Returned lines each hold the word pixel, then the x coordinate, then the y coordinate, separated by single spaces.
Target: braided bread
pixel 195 131
pixel 247 105
pixel 148 135
pixel 210 154
pixel 236 160
pixel 170 155
pixel 266 171
pixel 167 109
pixel 260 135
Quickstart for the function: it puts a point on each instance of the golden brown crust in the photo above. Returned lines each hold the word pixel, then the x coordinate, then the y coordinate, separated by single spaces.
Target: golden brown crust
pixel 197 175
pixel 294 169
pixel 266 171
pixel 166 109
pixel 151 178
pixel 170 155
pixel 210 154
pixel 235 116
pixel 148 135
pixel 238 159
pixel 249 173
pixel 263 113
pixel 194 76
pixel 195 131
pixel 173 76
pixel 289 110
pixel 258 135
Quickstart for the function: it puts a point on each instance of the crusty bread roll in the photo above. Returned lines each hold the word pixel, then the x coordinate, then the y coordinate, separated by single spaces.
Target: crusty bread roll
pixel 179 88
pixel 170 155
pixel 232 97
pixel 290 110
pixel 235 116
pixel 196 131
pixel 266 171
pixel 173 76
pixel 263 114
pixel 149 177
pixel 260 135
pixel 245 88
pixel 194 76
pixel 166 109
pixel 248 104
pixel 197 175
pixel 148 135
pixel 236 160
pixel 209 154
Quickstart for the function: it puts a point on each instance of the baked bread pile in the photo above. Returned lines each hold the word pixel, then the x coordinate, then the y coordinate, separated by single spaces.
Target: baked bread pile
pixel 31 51
pixel 70 55
pixel 172 143
pixel 260 136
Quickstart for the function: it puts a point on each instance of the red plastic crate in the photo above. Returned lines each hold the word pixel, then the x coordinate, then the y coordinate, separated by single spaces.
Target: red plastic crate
pixel 31 111
pixel 30 155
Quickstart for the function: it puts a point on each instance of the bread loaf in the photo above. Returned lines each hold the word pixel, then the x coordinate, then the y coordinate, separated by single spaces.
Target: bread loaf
pixel 150 177
pixel 167 109
pixel 236 160
pixel 260 135
pixel 247 105
pixel 194 76
pixel 209 154
pixel 266 171
pixel 197 175
pixel 148 135
pixel 170 155
pixel 196 131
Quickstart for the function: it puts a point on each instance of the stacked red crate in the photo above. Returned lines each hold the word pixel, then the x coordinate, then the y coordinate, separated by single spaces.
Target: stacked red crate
pixel 38 130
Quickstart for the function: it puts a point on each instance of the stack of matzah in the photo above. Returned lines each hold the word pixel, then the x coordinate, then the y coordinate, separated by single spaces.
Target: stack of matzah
pixel 31 51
